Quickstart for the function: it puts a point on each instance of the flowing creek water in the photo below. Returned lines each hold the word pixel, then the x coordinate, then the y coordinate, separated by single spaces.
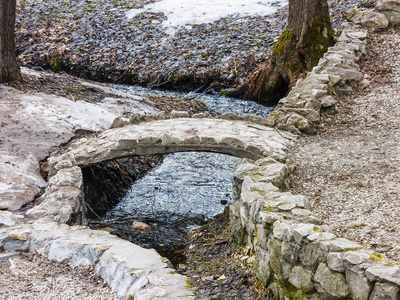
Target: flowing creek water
pixel 183 191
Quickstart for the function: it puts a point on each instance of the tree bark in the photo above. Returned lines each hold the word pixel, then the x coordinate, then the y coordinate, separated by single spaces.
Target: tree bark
pixel 306 38
pixel 9 69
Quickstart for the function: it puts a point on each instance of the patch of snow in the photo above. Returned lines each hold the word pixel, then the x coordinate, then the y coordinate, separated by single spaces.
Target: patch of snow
pixel 71 114
pixel 189 12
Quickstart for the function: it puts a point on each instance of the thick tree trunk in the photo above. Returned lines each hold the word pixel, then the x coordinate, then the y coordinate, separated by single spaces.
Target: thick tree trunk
pixel 306 38
pixel 9 69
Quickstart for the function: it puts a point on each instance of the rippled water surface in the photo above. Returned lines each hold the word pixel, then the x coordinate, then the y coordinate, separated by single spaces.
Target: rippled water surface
pixel 218 104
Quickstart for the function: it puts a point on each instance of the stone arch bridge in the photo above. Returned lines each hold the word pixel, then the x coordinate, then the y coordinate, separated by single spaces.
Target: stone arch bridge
pixel 64 197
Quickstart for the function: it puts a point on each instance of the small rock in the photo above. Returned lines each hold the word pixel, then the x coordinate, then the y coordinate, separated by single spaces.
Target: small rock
pixel 118 122
pixel 179 114
pixel 140 226
pixel 328 101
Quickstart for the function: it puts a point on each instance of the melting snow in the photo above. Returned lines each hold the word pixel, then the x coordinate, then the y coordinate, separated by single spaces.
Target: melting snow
pixel 188 12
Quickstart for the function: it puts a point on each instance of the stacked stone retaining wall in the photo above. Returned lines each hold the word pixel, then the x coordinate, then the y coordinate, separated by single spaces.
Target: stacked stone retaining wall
pixel 294 254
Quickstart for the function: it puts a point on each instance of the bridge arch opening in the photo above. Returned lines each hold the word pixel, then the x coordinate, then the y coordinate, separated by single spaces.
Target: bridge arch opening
pixel 179 192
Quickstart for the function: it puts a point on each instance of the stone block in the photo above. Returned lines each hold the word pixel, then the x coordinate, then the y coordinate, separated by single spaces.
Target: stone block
pixel 335 262
pixel 312 254
pixel 301 212
pixel 320 236
pixel 330 284
pixel 384 273
pixel 262 236
pixel 314 104
pixel 299 200
pixel 230 116
pixel 395 18
pixel 361 35
pixel 258 120
pixel 275 256
pixel 372 19
pixel 385 291
pixel 388 5
pixel 179 114
pixel 118 122
pixel 67 177
pixel 340 244
pixel 262 266
pixel 344 73
pixel 301 231
pixel 290 252
pixel 301 278
pixel 313 116
pixel 355 258
pixel 161 115
pixel 282 231
pixel 328 101
pixel 358 284
pixel 8 218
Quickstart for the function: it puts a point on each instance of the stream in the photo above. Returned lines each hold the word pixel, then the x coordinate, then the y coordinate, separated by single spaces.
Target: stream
pixel 184 191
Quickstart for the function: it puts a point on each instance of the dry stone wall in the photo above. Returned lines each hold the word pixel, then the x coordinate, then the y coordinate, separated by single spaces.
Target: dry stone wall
pixel 130 270
pixel 296 256
pixel 301 108
pixel 385 14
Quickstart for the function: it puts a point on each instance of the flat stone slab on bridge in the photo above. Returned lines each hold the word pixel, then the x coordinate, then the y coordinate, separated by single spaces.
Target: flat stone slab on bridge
pixel 235 137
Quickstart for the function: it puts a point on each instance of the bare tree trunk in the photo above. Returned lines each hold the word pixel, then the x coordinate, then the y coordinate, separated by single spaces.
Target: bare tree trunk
pixel 9 69
pixel 306 38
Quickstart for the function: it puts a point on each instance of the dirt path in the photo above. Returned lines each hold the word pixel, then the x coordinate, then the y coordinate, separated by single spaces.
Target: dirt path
pixel 350 170
pixel 31 277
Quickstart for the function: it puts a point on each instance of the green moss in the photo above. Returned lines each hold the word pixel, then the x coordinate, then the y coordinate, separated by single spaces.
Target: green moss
pixel 292 292
pixel 316 229
pixel 317 39
pixel 188 286
pixel 225 93
pixel 56 63
pixel 269 209
pixel 77 89
pixel 376 258
pixel 285 44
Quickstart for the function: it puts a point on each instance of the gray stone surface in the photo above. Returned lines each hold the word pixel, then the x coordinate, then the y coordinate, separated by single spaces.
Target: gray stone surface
pixel 8 218
pixel 301 231
pixel 335 262
pixel 388 5
pixel 330 284
pixel 340 244
pixel 355 257
pixel 359 286
pixel 301 278
pixel 384 273
pixel 282 231
pixel 385 291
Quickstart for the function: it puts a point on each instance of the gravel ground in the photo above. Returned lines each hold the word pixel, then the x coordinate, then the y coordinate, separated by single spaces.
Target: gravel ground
pixel 29 276
pixel 97 41
pixel 351 169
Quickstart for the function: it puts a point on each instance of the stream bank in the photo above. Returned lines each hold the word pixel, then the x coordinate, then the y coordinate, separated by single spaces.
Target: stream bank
pixel 97 41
